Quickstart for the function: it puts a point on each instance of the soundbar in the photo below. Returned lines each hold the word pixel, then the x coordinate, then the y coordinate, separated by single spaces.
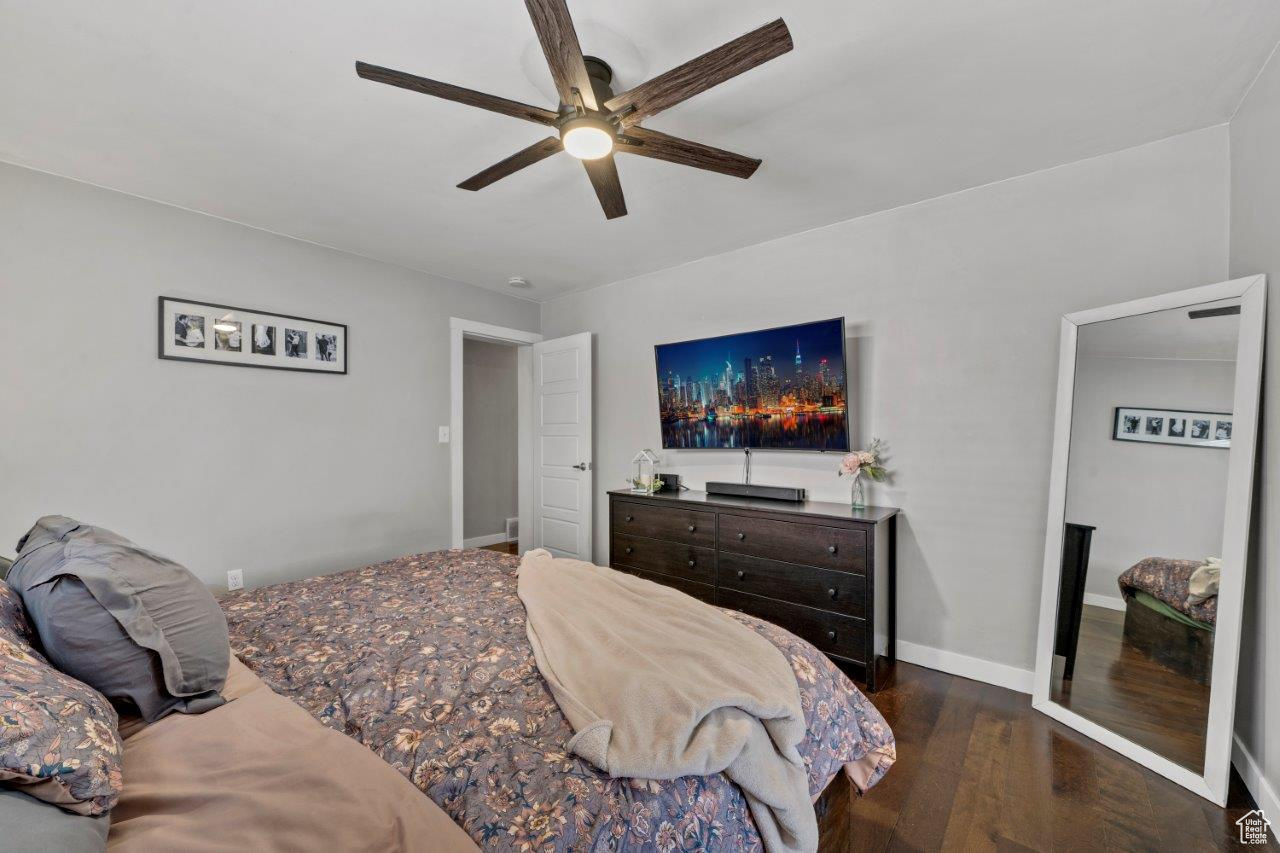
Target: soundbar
pixel 750 490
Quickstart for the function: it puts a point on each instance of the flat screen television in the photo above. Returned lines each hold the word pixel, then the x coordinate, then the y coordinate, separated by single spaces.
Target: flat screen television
pixel 776 389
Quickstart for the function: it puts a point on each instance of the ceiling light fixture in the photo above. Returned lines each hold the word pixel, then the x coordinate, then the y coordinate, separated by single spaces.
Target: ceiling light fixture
pixel 518 281
pixel 587 138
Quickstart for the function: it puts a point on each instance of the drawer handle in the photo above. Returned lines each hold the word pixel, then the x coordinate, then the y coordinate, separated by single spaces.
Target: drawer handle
pixel 832 592
pixel 831 635
pixel 742 536
pixel 629 518
pixel 831 549
pixel 628 549
pixel 692 527
pixel 691 564
pixel 741 575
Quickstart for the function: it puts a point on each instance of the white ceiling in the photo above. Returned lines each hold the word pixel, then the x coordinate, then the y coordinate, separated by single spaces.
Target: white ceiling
pixel 252 111
pixel 1169 334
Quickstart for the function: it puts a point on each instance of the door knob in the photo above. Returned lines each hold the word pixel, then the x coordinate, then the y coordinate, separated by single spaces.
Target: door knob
pixel 628 549
pixel 831 635
pixel 583 466
pixel 692 527
pixel 742 536
pixel 831 549
pixel 691 564
pixel 741 575
pixel 831 592
pixel 629 518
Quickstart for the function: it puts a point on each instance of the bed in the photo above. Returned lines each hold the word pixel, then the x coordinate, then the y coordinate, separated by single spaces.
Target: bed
pixel 424 660
pixel 1163 622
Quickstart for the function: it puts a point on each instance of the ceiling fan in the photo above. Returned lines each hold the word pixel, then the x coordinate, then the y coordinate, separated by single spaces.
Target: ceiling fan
pixel 592 122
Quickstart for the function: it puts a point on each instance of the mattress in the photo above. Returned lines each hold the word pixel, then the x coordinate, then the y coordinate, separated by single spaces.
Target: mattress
pixel 424 659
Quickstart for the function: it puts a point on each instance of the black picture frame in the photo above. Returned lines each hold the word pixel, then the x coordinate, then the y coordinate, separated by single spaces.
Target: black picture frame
pixel 1166 434
pixel 253 360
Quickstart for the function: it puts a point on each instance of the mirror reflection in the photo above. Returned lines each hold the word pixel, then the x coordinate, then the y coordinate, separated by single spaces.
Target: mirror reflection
pixel 1151 432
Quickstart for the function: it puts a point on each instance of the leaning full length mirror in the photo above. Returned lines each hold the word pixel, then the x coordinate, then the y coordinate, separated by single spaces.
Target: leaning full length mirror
pixel 1140 619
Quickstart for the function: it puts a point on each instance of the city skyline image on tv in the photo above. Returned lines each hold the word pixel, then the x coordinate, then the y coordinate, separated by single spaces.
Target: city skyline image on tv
pixel 780 389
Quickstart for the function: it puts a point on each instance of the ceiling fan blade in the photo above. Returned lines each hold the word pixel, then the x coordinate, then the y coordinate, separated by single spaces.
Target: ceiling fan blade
pixel 540 150
pixel 604 177
pixel 449 92
pixel 697 75
pixel 559 43
pixel 673 149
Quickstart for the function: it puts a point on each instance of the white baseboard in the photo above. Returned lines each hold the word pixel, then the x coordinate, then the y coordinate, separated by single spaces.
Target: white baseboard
pixel 1111 602
pixel 1263 794
pixel 481 541
pixel 1013 678
pixel 977 669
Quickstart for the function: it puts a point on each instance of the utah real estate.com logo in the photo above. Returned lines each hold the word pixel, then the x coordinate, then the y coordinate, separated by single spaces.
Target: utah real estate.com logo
pixel 1253 827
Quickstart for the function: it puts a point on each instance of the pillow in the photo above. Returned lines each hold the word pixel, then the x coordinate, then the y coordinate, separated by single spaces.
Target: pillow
pixel 32 825
pixel 14 624
pixel 58 738
pixel 139 628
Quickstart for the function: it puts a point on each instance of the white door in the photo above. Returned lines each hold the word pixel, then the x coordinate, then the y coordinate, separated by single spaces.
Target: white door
pixel 562 446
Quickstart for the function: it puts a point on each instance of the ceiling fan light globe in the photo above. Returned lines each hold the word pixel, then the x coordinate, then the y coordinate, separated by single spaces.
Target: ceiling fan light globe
pixel 587 140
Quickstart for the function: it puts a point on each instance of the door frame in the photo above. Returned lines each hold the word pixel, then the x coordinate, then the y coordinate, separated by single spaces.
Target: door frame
pixel 459 330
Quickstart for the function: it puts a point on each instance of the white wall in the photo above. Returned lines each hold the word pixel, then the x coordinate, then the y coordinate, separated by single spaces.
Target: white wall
pixel 952 308
pixel 1255 248
pixel 1147 500
pixel 280 474
pixel 490 492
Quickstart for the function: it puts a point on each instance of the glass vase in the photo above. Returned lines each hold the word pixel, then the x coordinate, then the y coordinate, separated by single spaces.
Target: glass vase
pixel 857 493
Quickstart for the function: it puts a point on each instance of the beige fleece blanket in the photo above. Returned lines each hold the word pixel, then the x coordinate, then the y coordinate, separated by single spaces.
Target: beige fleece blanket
pixel 658 685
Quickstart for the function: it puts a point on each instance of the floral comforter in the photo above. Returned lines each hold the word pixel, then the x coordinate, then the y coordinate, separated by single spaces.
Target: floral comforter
pixel 424 659
pixel 1169 581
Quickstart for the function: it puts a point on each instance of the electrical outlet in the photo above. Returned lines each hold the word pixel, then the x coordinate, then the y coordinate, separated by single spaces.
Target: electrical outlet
pixel 444 435
pixel 235 580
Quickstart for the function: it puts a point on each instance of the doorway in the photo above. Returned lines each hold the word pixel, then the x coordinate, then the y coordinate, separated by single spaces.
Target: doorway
pixel 490 445
pixel 464 398
pixel 552 410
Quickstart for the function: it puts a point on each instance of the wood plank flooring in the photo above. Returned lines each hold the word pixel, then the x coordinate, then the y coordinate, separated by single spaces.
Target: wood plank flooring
pixel 978 769
pixel 1121 688
pixel 502 548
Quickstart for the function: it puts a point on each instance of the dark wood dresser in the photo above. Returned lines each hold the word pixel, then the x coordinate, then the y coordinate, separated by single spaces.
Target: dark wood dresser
pixel 824 571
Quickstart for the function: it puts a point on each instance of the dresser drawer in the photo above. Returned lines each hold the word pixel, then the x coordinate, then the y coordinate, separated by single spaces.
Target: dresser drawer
pixel 659 522
pixel 842 548
pixel 666 558
pixel 701 591
pixel 832 633
pixel 824 589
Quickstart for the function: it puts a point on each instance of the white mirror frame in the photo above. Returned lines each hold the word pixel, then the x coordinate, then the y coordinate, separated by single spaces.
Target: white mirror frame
pixel 1252 292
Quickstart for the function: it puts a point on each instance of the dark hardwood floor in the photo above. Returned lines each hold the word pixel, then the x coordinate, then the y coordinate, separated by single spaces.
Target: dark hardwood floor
pixel 502 548
pixel 978 769
pixel 1120 687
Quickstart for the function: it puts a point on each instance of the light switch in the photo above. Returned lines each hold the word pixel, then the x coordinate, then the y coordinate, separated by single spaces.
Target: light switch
pixel 444 435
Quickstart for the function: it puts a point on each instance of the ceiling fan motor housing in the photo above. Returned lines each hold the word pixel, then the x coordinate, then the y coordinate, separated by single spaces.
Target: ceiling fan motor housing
pixel 601 76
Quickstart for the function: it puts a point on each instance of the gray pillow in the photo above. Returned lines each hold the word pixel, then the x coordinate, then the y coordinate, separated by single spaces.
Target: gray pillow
pixel 139 628
pixel 28 824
